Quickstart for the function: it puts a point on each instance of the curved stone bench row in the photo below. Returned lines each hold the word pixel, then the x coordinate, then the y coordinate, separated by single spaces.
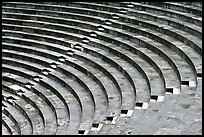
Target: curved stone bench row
pixel 43 108
pixel 45 59
pixel 116 12
pixel 190 61
pixel 38 125
pixel 25 114
pixel 25 96
pixel 75 108
pixel 6 130
pixel 38 92
pixel 14 102
pixel 78 42
pixel 180 7
pixel 60 116
pixel 39 60
pixel 150 8
pixel 123 4
pixel 28 98
pixel 144 15
pixel 13 119
pixel 168 59
pixel 79 10
pixel 167 33
pixel 195 4
pixel 61 95
pixel 176 14
pixel 43 62
pixel 11 123
pixel 151 63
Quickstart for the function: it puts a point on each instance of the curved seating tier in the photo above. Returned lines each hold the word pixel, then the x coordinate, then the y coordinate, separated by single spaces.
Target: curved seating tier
pixel 101 68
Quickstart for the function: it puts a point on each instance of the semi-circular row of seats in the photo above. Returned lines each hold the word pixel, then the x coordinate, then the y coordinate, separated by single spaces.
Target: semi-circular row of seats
pixel 100 68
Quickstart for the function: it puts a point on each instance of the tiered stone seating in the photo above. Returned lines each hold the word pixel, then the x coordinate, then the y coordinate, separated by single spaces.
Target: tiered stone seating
pixel 100 68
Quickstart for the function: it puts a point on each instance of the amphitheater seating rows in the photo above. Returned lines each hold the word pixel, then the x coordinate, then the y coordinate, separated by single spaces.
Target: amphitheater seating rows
pixel 101 68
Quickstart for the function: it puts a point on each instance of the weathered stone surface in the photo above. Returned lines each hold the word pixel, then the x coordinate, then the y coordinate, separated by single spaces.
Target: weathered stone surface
pixel 108 68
